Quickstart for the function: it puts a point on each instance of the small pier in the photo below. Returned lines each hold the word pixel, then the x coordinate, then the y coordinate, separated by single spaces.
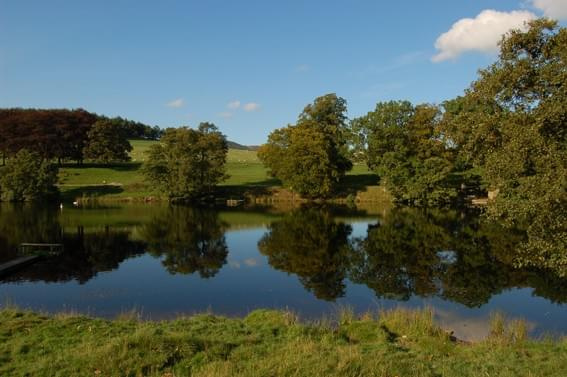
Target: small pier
pixel 30 253
pixel 16 264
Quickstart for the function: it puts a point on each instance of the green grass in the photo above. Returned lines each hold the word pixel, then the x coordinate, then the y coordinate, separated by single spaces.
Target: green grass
pixel 264 343
pixel 125 180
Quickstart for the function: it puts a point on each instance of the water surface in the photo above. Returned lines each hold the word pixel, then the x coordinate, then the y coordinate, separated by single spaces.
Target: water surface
pixel 164 261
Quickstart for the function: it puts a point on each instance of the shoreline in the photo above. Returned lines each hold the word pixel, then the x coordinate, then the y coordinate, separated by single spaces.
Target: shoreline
pixel 267 342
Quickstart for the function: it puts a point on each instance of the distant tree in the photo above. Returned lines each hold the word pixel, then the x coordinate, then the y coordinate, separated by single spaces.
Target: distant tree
pixel 312 156
pixel 187 163
pixel 107 142
pixel 53 133
pixel 27 177
pixel 401 144
pixel 136 130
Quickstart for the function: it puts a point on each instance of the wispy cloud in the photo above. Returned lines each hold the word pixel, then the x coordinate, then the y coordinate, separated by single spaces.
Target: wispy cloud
pixel 225 114
pixel 481 33
pixel 383 90
pixel 398 62
pixel 302 68
pixel 251 106
pixel 176 103
pixel 233 105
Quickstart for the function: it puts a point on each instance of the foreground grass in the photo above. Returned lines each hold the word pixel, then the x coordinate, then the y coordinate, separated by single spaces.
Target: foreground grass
pixel 265 343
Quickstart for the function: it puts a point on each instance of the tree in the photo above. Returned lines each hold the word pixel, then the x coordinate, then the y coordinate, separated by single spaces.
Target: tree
pixel 187 163
pixel 27 177
pixel 520 145
pixel 53 133
pixel 107 142
pixel 311 157
pixel 401 143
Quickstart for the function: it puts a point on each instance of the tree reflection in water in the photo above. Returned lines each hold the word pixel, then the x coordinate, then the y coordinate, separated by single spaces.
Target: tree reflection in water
pixel 310 244
pixel 457 256
pixel 190 240
pixel 454 255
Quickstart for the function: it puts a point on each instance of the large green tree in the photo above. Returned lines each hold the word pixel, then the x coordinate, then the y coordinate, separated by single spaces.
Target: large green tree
pixel 511 125
pixel 187 163
pixel 107 142
pixel 402 144
pixel 311 156
pixel 27 177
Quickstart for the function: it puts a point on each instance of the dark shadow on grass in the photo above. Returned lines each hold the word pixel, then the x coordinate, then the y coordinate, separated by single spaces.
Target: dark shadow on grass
pixel 90 192
pixel 119 166
pixel 351 184
pixel 258 188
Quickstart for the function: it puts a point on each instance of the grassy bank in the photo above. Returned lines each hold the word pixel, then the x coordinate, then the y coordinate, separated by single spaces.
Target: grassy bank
pixel 125 181
pixel 266 343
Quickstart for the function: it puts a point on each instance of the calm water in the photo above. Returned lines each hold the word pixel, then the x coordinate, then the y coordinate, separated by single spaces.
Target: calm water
pixel 164 261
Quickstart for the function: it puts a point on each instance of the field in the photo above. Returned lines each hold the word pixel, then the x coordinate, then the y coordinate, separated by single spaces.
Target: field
pixel 125 180
pixel 267 343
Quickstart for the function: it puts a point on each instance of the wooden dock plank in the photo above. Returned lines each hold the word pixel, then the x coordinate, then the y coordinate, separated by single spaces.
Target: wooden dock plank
pixel 18 263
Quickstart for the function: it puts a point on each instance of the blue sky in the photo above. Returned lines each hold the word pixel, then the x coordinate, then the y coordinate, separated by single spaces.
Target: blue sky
pixel 247 66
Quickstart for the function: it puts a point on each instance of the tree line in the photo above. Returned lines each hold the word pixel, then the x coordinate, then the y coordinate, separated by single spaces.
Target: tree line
pixel 506 135
pixel 34 139
pixel 62 134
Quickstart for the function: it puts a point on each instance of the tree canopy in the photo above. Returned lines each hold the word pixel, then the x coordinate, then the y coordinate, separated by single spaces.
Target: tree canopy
pixel 187 163
pixel 311 156
pixel 27 177
pixel 401 143
pixel 59 133
pixel 107 142
pixel 510 125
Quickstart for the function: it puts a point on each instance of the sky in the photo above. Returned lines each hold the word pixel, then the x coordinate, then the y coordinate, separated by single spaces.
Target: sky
pixel 247 66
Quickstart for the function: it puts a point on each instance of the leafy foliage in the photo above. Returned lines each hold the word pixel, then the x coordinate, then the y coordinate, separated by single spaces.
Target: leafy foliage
pixel 401 143
pixel 53 133
pixel 27 177
pixel 107 142
pixel 520 143
pixel 312 156
pixel 187 163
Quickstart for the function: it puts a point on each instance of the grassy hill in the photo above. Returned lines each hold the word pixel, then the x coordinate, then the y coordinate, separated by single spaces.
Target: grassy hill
pixel 125 180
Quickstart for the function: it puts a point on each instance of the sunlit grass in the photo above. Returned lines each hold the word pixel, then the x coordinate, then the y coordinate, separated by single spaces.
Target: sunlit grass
pixel 265 343
pixel 126 181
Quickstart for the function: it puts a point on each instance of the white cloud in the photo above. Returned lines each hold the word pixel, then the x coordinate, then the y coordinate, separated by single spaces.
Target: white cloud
pixel 552 8
pixel 233 105
pixel 481 33
pixel 251 106
pixel 225 114
pixel 176 103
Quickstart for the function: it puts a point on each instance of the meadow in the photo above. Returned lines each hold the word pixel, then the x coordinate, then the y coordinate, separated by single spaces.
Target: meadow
pixel 123 181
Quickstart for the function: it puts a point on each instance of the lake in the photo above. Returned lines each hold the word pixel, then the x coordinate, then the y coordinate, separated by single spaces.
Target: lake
pixel 164 261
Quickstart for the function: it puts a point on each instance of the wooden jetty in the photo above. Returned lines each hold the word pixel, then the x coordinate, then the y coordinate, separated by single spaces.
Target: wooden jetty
pixel 30 253
pixel 18 263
